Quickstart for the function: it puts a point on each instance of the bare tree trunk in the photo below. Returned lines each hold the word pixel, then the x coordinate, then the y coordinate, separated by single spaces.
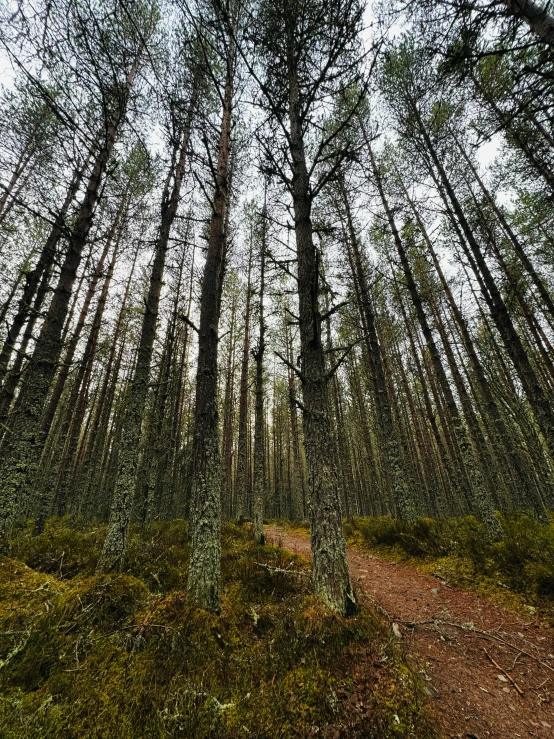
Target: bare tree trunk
pixel 103 404
pixel 299 494
pixel 242 447
pixel 532 388
pixel 228 415
pixel 44 263
pixel 500 434
pixel 468 453
pixel 65 368
pixel 548 303
pixel 393 458
pixel 204 573
pixel 331 578
pixel 535 16
pixel 74 414
pixel 14 375
pixel 258 487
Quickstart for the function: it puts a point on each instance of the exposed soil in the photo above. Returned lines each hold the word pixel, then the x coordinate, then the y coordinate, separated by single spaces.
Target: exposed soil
pixel 441 628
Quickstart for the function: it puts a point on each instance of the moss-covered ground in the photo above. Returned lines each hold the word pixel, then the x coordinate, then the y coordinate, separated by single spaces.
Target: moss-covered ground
pixel 126 656
pixel 517 571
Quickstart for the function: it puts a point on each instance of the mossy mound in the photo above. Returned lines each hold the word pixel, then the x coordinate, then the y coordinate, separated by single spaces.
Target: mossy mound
pixel 517 570
pixel 127 656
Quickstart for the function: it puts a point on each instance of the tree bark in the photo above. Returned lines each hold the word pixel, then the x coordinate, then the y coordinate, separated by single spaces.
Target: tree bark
pixel 204 573
pixel 258 493
pixel 330 570
pixel 535 16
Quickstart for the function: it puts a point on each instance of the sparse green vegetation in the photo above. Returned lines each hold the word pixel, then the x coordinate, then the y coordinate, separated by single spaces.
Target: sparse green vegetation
pixel 125 655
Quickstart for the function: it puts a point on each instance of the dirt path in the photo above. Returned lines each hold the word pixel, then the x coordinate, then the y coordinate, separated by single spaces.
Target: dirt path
pixel 471 696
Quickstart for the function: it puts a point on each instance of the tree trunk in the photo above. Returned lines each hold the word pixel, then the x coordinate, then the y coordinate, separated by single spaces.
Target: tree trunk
pixel 468 453
pixel 204 573
pixel 532 388
pixel 67 363
pixel 242 447
pixel 44 263
pixel 330 569
pixel 389 437
pixel 535 16
pixel 500 434
pixel 258 487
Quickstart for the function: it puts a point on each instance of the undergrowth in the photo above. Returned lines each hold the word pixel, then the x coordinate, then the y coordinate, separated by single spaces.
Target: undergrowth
pixel 126 656
pixel 517 570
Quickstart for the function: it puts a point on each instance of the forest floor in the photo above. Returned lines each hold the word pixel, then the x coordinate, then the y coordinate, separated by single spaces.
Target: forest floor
pixel 489 672
pixel 125 655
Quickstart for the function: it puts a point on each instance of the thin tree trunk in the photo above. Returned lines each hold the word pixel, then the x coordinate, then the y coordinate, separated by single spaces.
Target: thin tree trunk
pixel 44 263
pixel 548 303
pixel 468 453
pixel 76 402
pixel 532 388
pixel 67 363
pixel 391 447
pixel 258 488
pixel 228 415
pixel 242 447
pixel 501 436
pixel 14 375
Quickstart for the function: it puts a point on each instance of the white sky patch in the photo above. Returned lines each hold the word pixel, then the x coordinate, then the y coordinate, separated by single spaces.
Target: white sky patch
pixel 6 71
pixel 489 151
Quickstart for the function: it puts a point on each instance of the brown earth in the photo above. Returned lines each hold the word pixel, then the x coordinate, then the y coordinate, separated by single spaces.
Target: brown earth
pixel 454 638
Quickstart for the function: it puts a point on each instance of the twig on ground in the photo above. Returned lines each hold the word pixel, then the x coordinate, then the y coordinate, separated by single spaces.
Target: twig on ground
pixel 503 671
pixel 282 570
pixel 515 660
pixel 542 684
pixel 487 634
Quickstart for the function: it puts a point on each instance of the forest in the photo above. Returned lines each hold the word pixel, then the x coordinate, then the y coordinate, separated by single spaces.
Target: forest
pixel 276 369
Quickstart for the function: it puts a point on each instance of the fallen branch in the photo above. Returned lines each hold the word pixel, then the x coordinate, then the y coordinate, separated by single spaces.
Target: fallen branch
pixel 282 570
pixel 503 671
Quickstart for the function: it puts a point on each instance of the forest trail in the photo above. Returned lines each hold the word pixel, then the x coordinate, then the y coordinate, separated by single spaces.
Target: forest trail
pixel 471 696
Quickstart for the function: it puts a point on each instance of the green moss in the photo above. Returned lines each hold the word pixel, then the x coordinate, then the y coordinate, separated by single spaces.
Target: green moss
pixel 125 655
pixel 62 549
